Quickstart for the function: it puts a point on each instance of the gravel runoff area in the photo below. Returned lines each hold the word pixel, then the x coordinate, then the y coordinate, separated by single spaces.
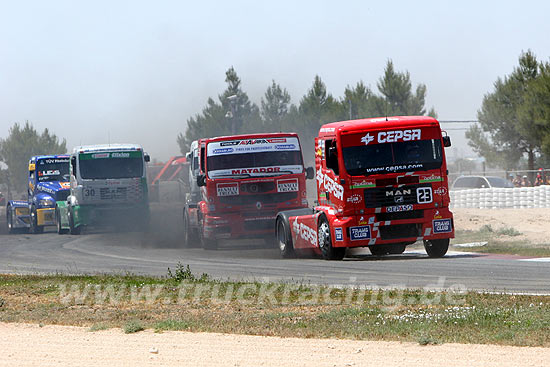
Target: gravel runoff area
pixel 32 345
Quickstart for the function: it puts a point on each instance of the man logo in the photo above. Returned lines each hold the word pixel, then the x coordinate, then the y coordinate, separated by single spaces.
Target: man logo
pixel 398 199
pixel 367 139
pixel 258 205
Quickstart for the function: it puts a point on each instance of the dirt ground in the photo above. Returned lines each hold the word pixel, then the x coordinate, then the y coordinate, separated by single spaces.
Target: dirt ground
pixel 31 345
pixel 534 224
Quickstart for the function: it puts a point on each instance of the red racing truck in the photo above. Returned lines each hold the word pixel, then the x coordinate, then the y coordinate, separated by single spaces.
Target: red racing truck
pixel 381 183
pixel 244 181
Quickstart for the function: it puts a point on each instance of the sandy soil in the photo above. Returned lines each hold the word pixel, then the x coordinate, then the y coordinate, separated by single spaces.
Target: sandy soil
pixel 534 224
pixel 31 345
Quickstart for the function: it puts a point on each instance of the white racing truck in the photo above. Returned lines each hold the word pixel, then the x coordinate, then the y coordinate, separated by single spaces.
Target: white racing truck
pixel 108 187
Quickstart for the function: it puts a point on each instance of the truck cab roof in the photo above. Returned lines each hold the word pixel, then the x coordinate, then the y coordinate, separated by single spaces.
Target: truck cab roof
pixel 330 129
pixel 106 148
pixel 247 136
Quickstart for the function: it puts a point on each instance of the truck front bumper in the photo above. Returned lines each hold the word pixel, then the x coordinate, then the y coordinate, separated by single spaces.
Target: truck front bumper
pixel 366 230
pixel 45 217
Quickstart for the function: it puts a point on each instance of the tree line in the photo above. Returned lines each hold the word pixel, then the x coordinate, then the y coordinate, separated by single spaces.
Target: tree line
pixel 514 119
pixel 232 112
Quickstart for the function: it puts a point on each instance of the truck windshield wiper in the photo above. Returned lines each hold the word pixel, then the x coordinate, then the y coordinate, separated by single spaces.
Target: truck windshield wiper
pixel 232 176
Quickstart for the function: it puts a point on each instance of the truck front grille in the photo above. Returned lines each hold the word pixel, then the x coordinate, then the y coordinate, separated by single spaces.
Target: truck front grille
pixel 262 198
pixel 62 195
pixel 390 196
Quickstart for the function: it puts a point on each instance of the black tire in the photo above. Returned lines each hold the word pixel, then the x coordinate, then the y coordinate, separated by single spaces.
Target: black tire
pixel 72 229
pixel 60 230
pixel 324 239
pixel 284 240
pixel 9 221
pixel 436 248
pixel 396 249
pixel 190 238
pixel 207 243
pixel 34 227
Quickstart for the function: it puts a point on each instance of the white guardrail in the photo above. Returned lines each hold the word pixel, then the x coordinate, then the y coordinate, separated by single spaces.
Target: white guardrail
pixel 499 198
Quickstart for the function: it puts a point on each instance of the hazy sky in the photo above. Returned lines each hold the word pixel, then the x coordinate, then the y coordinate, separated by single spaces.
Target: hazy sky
pixel 136 70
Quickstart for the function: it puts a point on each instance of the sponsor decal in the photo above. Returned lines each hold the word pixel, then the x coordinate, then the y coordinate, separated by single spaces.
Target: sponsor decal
pixel 285 147
pixel 120 155
pixel 407 167
pixel 100 155
pixel 359 233
pixel 228 143
pixel 289 185
pixel 442 226
pixel 327 130
pixel 238 171
pixel 306 233
pixel 227 189
pixel 392 136
pixel 330 185
pixel 424 195
pixel 338 234
pixel 54 160
pixel 441 191
pixel 362 221
pixel 432 178
pixel 354 199
pixel 437 215
pixel 51 172
pixel 65 185
pixel 362 185
pixel 223 151
pixel 367 139
pixel 399 208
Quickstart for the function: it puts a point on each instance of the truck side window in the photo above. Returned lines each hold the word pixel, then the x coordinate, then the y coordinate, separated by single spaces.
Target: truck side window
pixel 203 153
pixel 331 155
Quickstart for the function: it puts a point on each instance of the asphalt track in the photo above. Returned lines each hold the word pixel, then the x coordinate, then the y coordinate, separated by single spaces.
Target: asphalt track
pixel 152 253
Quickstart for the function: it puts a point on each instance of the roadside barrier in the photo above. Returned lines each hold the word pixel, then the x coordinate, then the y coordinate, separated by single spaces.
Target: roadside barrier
pixel 498 198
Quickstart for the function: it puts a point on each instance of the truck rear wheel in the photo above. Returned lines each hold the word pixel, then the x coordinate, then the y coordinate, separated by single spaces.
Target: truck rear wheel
pixel 325 242
pixel 284 240
pixel 436 248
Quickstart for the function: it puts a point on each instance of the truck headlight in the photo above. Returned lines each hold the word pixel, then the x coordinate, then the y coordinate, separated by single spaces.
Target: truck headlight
pixel 46 202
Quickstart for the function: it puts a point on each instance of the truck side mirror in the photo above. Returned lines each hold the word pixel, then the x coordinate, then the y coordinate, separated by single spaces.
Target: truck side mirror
pixel 146 158
pixel 201 180
pixel 73 165
pixel 310 173
pixel 446 141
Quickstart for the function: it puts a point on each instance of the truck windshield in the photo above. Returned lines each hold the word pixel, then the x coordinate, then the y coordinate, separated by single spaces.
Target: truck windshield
pixel 52 169
pixel 259 157
pixel 418 155
pixel 110 165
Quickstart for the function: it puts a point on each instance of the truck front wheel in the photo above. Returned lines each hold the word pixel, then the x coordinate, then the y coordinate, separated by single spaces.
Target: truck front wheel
pixel 207 243
pixel 325 242
pixel 9 221
pixel 436 248
pixel 72 229
pixel 60 229
pixel 189 234
pixel 34 227
pixel 284 241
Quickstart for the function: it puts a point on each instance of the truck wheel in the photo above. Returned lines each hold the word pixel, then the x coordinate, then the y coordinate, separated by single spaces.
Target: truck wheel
pixel 190 238
pixel 325 242
pixel 396 249
pixel 60 229
pixel 436 248
pixel 34 227
pixel 72 229
pixel 9 221
pixel 284 240
pixel 207 243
